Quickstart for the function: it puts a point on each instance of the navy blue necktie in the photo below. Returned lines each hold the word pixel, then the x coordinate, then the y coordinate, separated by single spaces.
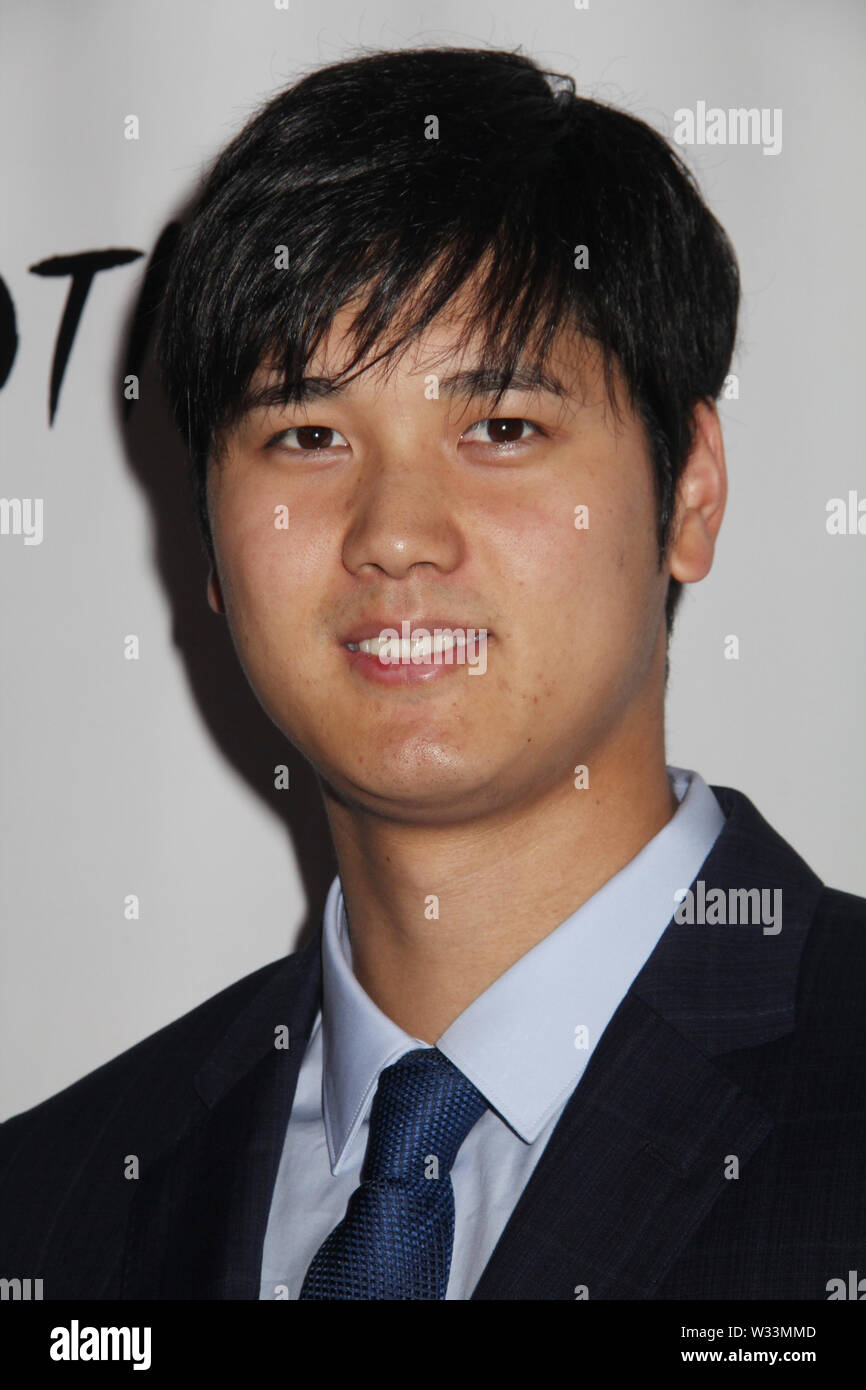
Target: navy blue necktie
pixel 396 1238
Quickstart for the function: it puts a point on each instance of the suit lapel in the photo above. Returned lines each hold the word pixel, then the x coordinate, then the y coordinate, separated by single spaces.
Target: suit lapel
pixel 639 1155
pixel 634 1165
pixel 199 1218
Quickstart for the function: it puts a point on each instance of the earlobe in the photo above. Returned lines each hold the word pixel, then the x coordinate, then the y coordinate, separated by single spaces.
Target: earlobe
pixel 214 592
pixel 701 496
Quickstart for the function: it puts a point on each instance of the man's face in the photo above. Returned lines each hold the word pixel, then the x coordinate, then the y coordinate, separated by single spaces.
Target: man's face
pixel 405 505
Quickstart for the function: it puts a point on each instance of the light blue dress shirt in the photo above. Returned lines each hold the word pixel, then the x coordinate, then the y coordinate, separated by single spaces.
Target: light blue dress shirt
pixel 525 1043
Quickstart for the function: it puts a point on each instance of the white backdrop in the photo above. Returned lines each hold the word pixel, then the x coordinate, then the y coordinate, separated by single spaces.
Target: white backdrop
pixel 154 777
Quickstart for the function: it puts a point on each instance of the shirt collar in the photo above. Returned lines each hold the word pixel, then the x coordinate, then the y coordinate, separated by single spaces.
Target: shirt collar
pixel 526 1040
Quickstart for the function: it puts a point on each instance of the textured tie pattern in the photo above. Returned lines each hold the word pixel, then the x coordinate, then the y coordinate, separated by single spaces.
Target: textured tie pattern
pixel 396 1238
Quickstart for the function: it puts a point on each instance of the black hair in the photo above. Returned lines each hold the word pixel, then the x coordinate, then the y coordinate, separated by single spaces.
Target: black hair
pixel 340 170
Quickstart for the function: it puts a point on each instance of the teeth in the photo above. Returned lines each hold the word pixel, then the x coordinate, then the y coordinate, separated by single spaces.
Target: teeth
pixel 405 649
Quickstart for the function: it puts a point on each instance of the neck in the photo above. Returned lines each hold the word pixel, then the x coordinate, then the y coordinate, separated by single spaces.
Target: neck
pixel 438 912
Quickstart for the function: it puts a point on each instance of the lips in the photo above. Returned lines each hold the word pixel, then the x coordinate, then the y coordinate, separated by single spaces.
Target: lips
pixel 437 651
pixel 406 652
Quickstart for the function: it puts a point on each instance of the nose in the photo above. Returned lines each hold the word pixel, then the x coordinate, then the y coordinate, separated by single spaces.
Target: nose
pixel 403 514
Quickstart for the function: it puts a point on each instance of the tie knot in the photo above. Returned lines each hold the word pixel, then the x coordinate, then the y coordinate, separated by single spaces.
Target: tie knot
pixel 423 1109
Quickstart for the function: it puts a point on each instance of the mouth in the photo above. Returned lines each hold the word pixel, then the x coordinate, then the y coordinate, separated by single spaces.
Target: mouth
pixel 420 651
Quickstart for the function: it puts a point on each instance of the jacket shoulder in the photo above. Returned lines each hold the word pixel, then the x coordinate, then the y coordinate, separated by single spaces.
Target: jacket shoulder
pixel 67 1164
pixel 842 909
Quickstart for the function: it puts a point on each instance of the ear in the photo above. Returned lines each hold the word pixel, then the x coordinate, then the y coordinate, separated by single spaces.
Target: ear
pixel 214 592
pixel 701 494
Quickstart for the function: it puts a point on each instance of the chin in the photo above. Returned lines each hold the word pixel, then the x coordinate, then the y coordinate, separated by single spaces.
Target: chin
pixel 413 794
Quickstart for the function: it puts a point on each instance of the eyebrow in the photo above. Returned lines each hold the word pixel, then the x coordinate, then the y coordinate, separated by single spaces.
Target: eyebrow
pixel 477 381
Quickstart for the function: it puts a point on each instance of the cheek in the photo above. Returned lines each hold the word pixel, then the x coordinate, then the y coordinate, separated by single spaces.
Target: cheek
pixel 588 595
pixel 619 559
pixel 268 559
pixel 266 606
pixel 601 557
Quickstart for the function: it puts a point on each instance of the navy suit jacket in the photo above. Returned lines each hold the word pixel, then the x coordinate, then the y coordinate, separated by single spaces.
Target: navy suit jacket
pixel 731 1044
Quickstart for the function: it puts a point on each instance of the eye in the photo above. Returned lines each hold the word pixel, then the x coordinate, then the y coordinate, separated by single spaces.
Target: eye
pixel 309 439
pixel 503 431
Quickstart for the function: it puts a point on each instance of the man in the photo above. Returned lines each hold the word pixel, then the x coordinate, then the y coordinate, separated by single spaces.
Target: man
pixel 444 341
